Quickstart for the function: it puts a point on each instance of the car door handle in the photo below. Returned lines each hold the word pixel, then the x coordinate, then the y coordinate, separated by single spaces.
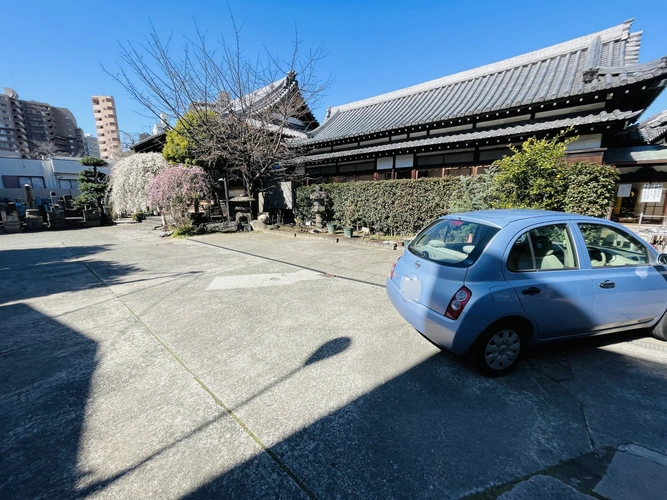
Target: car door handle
pixel 607 284
pixel 533 290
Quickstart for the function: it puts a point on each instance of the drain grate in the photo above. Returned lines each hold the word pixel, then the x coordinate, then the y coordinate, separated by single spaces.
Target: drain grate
pixel 649 345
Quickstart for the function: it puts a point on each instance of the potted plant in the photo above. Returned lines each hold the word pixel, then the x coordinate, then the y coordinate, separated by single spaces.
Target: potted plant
pixel 348 212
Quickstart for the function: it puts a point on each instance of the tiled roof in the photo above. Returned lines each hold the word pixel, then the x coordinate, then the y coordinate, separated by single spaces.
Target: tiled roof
pixel 285 131
pixel 150 138
pixel 602 60
pixel 653 129
pixel 266 96
pixel 270 95
pixel 507 131
pixel 253 104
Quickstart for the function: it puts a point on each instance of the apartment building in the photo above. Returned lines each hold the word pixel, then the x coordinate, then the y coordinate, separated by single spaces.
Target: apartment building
pixel 106 123
pixel 32 128
pixel 92 146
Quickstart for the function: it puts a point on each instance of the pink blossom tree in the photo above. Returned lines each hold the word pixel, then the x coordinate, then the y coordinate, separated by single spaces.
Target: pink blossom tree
pixel 175 188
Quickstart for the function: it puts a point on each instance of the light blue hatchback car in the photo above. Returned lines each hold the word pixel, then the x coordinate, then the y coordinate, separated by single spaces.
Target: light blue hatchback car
pixel 492 282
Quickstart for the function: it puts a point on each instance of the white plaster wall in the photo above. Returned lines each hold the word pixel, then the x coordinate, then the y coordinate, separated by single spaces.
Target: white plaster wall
pixel 591 141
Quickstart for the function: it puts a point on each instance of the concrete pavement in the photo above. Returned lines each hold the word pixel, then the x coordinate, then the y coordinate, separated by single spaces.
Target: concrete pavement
pixel 133 366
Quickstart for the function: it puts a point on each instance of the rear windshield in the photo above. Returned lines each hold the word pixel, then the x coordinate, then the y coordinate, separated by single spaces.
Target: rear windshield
pixel 452 242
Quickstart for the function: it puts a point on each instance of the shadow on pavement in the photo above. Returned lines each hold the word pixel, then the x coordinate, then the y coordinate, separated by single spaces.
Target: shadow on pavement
pixel 44 384
pixel 45 368
pixel 46 271
pixel 440 430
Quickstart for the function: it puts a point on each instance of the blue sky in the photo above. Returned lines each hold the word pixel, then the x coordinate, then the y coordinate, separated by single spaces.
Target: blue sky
pixel 54 49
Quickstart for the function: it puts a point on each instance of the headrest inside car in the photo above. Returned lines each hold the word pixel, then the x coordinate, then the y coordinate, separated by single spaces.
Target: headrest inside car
pixel 542 246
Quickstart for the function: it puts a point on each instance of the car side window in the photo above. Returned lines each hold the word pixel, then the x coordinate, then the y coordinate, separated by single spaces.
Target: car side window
pixel 541 249
pixel 611 247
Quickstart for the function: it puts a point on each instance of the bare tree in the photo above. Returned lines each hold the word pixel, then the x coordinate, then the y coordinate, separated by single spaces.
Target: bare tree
pixel 235 113
pixel 128 139
pixel 40 150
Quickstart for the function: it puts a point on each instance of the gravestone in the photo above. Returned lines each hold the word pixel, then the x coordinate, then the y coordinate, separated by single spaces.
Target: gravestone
pixel 33 219
pixel 10 218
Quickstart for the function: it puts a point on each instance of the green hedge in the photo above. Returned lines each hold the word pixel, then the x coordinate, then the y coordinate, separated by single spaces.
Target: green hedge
pixel 403 207
pixel 400 207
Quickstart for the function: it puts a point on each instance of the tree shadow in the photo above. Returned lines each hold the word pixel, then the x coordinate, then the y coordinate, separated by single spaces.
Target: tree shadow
pixel 45 373
pixel 329 349
pixel 440 430
pixel 250 478
pixel 436 430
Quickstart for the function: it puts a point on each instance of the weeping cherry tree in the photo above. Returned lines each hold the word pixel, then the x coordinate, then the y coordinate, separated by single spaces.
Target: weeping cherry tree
pixel 177 187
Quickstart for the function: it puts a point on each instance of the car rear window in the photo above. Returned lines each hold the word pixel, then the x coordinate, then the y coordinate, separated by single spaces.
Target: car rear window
pixel 452 242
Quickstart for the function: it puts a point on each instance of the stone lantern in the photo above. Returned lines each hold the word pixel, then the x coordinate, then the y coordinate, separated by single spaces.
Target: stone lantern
pixel 319 198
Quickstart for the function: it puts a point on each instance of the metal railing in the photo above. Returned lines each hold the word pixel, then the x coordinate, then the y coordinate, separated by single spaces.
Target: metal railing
pixel 643 218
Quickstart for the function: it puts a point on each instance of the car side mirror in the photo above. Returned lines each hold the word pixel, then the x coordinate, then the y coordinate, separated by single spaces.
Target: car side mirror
pixel 662 259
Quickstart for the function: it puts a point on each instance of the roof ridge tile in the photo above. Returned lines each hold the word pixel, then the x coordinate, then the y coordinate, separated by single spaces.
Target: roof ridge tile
pixel 576 44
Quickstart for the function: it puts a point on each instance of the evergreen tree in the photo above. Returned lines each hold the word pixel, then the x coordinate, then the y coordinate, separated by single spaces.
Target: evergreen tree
pixel 92 184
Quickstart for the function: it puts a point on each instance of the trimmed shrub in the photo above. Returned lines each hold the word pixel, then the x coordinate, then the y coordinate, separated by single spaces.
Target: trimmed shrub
pixel 400 207
pixel 532 177
pixel 591 188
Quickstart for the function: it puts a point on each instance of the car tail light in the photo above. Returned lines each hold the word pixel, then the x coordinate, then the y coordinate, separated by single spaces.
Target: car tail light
pixel 391 273
pixel 458 302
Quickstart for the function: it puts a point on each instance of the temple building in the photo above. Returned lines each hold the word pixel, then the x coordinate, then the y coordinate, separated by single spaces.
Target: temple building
pixel 594 86
pixel 277 98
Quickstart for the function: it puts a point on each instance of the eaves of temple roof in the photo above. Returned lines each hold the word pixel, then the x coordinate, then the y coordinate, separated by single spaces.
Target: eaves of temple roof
pixel 265 97
pixel 268 99
pixel 150 143
pixel 650 130
pixel 270 96
pixel 603 60
pixel 473 137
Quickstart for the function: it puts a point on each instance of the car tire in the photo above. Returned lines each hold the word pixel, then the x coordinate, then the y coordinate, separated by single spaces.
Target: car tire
pixel 659 330
pixel 498 349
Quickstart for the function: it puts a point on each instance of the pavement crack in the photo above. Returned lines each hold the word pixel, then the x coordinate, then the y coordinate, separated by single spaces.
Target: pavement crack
pixel 2 353
pixel 228 410
pixel 564 373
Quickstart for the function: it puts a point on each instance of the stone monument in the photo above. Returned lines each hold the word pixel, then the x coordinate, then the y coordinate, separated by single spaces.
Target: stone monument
pixel 33 219
pixel 10 218
pixel 319 198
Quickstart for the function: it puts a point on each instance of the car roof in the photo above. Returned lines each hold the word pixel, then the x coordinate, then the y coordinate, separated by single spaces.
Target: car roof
pixel 503 217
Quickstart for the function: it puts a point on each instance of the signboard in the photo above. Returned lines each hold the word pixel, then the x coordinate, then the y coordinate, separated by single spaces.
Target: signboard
pixel 651 193
pixel 624 190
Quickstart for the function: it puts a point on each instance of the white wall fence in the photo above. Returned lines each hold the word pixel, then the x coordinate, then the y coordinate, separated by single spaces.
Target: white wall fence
pixel 46 176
